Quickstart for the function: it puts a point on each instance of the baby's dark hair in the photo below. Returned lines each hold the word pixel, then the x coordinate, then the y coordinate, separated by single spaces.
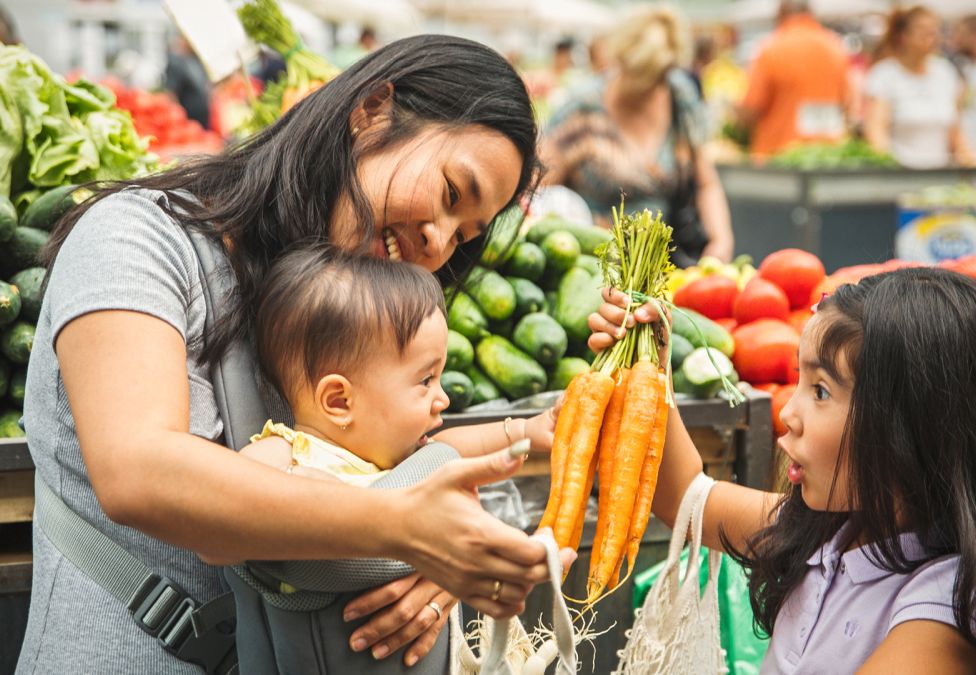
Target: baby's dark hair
pixel 323 311
pixel 908 341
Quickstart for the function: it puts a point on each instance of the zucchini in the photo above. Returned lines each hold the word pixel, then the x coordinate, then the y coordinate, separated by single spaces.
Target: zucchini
pixel 561 250
pixel 459 390
pixel 494 295
pixel 10 425
pixel 514 371
pixel 460 353
pixel 528 297
pixel 45 211
pixel 17 387
pixel 4 377
pixel 30 284
pixel 484 388
pixel 10 303
pixel 579 296
pixel 590 263
pixel 527 262
pixel 16 342
pixel 502 234
pixel 465 317
pixel 680 349
pixel 588 236
pixel 701 379
pixel 22 250
pixel 683 323
pixel 8 219
pixel 564 372
pixel 541 337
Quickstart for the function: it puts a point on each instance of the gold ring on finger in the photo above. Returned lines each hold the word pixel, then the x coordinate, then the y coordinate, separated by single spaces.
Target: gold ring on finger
pixel 437 609
pixel 496 590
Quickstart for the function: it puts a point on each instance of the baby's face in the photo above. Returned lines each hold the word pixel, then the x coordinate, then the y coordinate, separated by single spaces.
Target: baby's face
pixel 397 398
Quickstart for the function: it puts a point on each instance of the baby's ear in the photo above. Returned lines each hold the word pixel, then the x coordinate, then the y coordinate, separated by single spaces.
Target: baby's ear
pixel 333 395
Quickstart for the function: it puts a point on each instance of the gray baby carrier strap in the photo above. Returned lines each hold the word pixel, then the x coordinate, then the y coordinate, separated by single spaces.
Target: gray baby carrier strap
pixel 303 631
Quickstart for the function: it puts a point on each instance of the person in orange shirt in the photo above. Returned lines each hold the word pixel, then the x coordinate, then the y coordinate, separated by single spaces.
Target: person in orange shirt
pixel 798 85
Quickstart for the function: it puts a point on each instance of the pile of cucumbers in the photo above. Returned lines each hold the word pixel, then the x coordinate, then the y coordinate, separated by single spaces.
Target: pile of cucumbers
pixel 519 326
pixel 21 291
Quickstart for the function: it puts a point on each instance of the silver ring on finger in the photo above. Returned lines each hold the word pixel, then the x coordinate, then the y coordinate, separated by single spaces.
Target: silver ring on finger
pixel 437 609
pixel 496 590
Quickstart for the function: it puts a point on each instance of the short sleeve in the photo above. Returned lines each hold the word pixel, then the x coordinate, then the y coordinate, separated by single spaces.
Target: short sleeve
pixel 124 253
pixel 758 89
pixel 878 83
pixel 928 594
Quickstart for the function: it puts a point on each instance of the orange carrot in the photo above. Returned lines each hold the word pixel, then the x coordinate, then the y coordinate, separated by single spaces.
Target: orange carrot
pixel 565 424
pixel 588 487
pixel 648 477
pixel 636 426
pixel 606 450
pixel 583 446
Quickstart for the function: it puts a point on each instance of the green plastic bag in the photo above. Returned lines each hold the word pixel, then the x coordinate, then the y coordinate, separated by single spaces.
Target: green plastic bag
pixel 744 651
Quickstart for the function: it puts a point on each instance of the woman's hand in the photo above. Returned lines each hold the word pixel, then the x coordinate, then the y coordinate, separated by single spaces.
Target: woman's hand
pixel 441 530
pixel 402 613
pixel 607 322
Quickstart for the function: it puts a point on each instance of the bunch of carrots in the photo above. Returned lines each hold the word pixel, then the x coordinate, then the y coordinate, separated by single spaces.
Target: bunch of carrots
pixel 613 421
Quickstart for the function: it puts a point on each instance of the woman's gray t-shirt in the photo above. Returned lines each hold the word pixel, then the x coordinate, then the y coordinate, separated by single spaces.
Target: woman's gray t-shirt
pixel 125 253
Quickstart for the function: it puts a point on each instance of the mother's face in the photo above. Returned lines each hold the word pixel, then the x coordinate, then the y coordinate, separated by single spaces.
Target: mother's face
pixel 439 189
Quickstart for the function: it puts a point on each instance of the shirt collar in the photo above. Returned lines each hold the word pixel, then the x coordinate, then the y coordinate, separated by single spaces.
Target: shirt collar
pixel 860 563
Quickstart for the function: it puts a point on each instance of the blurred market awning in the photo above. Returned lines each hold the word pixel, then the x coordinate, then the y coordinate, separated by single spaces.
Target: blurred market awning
pixel 575 15
pixel 386 13
pixel 756 11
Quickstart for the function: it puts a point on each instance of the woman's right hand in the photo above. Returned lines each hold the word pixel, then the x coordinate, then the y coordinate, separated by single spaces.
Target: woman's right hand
pixel 446 535
pixel 607 322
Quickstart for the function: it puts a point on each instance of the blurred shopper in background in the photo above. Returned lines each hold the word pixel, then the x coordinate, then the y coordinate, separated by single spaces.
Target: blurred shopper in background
pixel 798 85
pixel 964 46
pixel 640 130
pixel 8 30
pixel 914 95
pixel 186 78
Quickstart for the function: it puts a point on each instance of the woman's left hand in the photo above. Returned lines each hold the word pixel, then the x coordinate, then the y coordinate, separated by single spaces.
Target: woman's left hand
pixel 401 614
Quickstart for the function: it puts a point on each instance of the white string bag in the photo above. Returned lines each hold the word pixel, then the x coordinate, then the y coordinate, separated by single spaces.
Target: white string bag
pixel 677 629
pixel 516 654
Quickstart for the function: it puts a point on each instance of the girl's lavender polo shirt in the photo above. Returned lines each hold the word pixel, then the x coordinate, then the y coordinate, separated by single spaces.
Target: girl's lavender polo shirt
pixel 846 605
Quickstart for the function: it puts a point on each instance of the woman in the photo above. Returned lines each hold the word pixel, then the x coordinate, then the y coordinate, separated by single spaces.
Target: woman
pixel 640 130
pixel 914 95
pixel 400 157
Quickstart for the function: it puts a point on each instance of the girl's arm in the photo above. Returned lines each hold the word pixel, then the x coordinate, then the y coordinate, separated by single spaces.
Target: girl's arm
pixel 713 208
pixel 483 439
pixel 921 647
pixel 877 124
pixel 126 381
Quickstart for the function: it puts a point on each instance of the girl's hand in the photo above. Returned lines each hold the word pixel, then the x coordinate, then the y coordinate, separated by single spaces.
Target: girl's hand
pixel 401 614
pixel 607 322
pixel 441 530
pixel 541 428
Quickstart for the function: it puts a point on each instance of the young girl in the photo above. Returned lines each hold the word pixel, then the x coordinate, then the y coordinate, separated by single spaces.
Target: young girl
pixel 356 345
pixel 868 562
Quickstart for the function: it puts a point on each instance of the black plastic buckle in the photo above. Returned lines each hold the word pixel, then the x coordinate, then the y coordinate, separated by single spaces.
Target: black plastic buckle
pixel 163 610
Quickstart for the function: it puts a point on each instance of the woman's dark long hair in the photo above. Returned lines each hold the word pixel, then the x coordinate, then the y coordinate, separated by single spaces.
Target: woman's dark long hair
pixel 909 338
pixel 280 186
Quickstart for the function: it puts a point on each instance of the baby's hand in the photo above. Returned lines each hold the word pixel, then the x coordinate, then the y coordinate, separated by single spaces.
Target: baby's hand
pixel 541 428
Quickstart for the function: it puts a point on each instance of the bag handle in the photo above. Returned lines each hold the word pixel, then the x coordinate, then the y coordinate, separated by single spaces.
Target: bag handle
pixel 690 515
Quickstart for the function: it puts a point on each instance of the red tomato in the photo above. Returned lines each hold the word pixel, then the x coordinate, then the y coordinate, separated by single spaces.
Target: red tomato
pixel 795 271
pixel 781 397
pixel 768 387
pixel 799 317
pixel 766 351
pixel 711 295
pixel 761 299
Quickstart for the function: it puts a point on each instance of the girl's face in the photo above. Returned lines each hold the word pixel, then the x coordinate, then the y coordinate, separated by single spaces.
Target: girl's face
pixel 815 417
pixel 437 190
pixel 397 401
pixel 921 36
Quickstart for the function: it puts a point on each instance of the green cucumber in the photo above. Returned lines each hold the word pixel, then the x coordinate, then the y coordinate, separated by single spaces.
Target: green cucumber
pixel 484 388
pixel 680 349
pixel 703 380
pixel 527 262
pixel 502 234
pixel 8 219
pixel 528 297
pixel 564 372
pixel 460 352
pixel 45 211
pixel 22 250
pixel 515 372
pixel 10 425
pixel 541 337
pixel 588 236
pixel 4 377
pixel 459 389
pixel 683 323
pixel 465 317
pixel 552 297
pixel 494 295
pixel 590 263
pixel 17 387
pixel 30 284
pixel 10 303
pixel 561 250
pixel 579 296
pixel 16 342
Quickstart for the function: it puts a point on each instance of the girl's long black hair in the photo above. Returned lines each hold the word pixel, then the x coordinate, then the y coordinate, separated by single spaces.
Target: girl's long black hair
pixel 280 186
pixel 909 338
